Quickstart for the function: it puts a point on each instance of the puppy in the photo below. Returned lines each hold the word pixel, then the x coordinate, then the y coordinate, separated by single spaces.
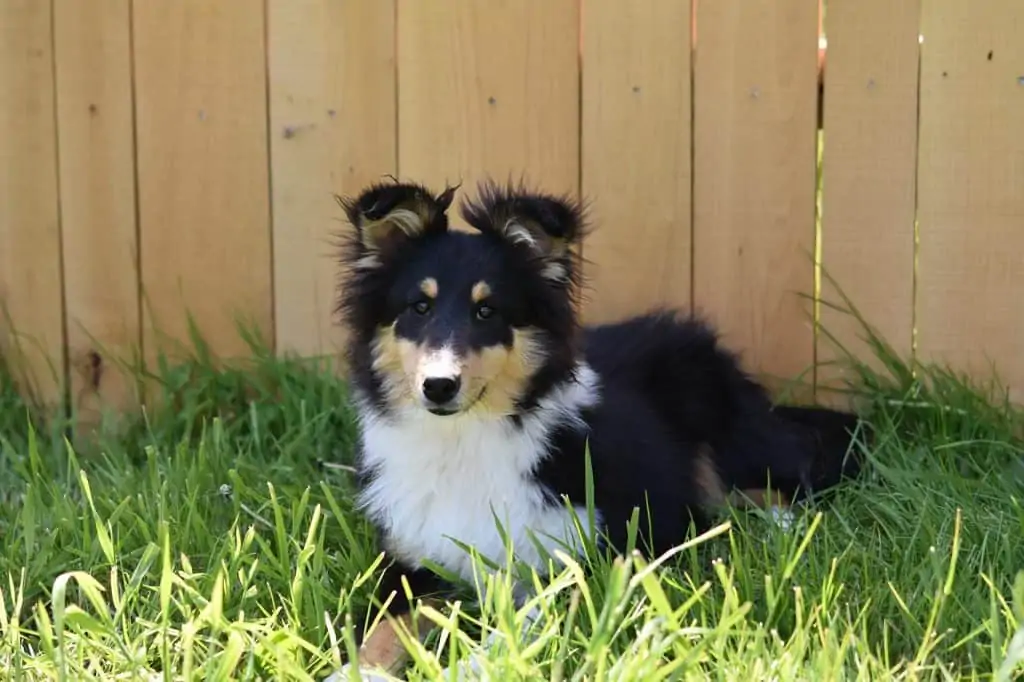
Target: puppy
pixel 478 392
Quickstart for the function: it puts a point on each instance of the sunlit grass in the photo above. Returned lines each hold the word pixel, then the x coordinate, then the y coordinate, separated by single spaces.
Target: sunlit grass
pixel 215 539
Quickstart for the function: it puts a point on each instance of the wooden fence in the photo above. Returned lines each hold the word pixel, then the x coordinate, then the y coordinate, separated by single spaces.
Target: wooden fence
pixel 159 155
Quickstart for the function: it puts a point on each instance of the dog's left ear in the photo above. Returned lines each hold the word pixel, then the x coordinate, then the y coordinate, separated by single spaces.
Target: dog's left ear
pixel 546 225
pixel 386 215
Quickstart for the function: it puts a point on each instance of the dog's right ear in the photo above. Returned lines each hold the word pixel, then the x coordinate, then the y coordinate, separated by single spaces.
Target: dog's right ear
pixel 388 215
pixel 542 225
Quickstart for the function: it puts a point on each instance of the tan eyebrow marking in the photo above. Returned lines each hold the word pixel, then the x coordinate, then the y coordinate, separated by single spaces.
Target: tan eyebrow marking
pixel 481 290
pixel 429 287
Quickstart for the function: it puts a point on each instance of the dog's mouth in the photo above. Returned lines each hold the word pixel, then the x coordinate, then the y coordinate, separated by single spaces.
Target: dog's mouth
pixel 447 411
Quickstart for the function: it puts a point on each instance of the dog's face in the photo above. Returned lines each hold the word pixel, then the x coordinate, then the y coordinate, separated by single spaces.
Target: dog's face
pixel 460 322
pixel 458 334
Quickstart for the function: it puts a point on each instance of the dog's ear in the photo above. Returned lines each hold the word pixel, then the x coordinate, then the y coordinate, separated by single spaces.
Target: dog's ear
pixel 386 215
pixel 546 225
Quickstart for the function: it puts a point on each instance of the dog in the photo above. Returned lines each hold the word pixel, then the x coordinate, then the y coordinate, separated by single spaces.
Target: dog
pixel 479 392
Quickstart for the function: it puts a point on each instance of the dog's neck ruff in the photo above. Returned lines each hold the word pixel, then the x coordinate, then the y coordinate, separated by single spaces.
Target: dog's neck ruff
pixel 433 480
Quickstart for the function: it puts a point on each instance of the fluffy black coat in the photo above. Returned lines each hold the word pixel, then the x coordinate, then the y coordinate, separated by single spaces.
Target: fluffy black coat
pixel 669 394
pixel 670 401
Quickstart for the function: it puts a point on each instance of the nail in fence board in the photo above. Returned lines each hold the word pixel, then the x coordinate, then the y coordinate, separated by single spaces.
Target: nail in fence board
pixel 754 167
pixel 970 293
pixel 636 154
pixel 333 131
pixel 203 171
pixel 869 169
pixel 489 87
pixel 97 202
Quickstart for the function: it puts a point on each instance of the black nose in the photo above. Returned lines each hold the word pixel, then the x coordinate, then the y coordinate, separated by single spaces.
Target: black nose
pixel 440 390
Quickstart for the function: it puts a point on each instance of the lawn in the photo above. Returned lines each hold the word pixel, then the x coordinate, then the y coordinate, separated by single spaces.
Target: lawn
pixel 215 539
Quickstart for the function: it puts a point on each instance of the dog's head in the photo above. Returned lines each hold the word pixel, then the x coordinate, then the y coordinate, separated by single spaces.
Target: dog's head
pixel 460 322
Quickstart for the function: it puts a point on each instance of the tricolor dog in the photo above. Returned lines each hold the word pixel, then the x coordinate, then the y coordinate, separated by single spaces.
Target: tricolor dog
pixel 478 391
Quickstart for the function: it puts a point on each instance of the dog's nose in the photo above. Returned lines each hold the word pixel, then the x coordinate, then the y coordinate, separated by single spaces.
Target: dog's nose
pixel 441 390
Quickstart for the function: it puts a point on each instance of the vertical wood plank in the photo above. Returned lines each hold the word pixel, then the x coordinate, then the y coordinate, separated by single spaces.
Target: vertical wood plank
pixel 97 181
pixel 333 130
pixel 30 269
pixel 201 116
pixel 636 154
pixel 754 183
pixel 489 88
pixel 971 189
pixel 869 174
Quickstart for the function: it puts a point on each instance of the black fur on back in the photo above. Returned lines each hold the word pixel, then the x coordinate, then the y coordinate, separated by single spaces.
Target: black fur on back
pixel 671 394
pixel 699 388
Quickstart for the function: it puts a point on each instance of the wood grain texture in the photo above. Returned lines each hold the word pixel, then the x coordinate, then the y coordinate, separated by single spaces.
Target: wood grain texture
pixel 30 270
pixel 489 87
pixel 332 131
pixel 201 116
pixel 636 172
pixel 971 189
pixel 869 175
pixel 97 198
pixel 754 189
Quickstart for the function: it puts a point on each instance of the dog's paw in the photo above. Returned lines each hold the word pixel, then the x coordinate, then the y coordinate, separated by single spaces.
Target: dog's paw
pixel 344 674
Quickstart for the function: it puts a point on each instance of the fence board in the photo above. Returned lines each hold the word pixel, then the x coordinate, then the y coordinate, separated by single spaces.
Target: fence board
pixel 971 188
pixel 489 87
pixel 97 199
pixel 869 170
pixel 333 130
pixel 754 164
pixel 636 154
pixel 202 162
pixel 30 271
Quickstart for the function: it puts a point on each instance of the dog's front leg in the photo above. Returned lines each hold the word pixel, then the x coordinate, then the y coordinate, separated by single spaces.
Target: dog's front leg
pixel 472 668
pixel 382 655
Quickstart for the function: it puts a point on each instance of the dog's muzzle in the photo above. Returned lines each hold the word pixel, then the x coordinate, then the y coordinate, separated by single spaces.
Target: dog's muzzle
pixel 440 381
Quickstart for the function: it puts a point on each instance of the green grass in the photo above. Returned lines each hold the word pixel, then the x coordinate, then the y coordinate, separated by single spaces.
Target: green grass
pixel 215 539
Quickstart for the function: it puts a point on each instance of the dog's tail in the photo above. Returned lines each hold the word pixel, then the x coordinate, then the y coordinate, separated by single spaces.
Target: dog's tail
pixel 831 438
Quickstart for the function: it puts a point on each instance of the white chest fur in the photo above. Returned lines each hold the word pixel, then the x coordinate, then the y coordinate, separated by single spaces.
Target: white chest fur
pixel 439 479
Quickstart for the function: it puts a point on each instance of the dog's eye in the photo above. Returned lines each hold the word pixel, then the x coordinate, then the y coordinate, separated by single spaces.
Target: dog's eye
pixel 484 312
pixel 421 307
